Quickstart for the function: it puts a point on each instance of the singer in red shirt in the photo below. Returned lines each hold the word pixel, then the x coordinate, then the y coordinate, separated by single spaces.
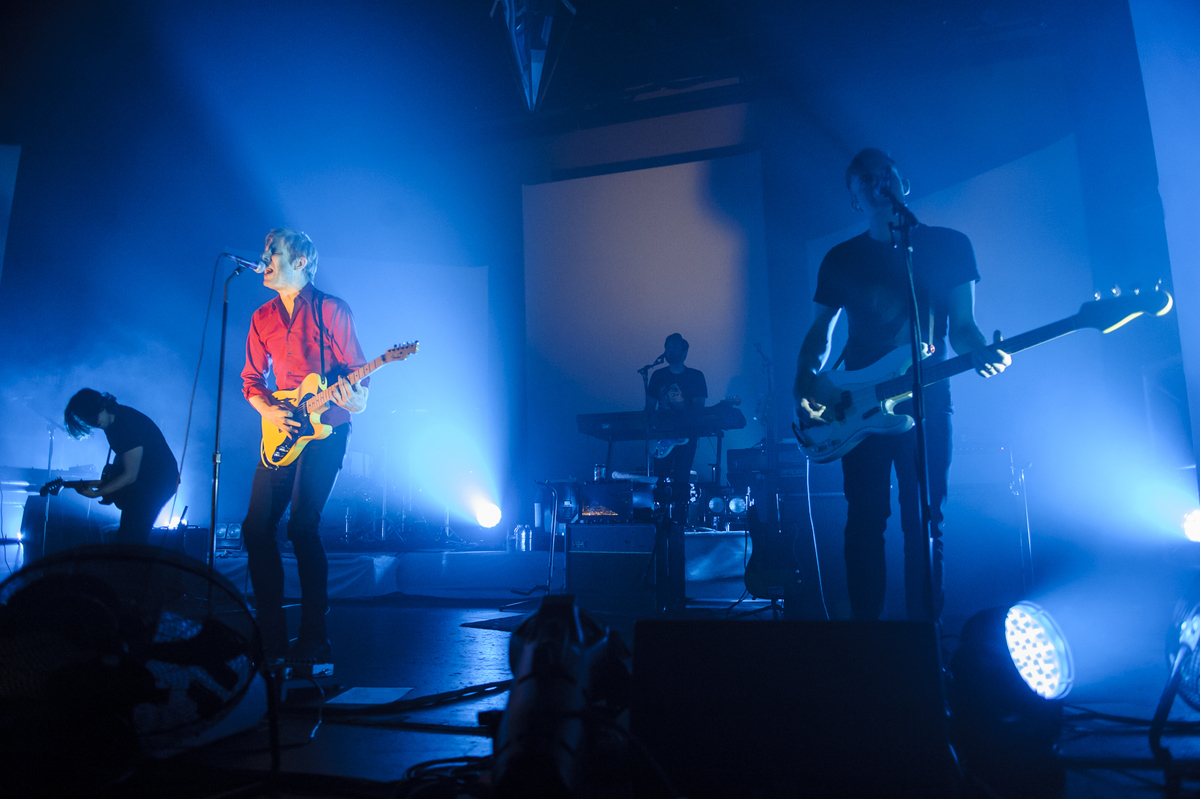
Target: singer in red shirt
pixel 301 331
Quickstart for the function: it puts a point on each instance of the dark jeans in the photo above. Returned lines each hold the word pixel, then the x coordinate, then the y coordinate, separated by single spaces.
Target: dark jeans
pixel 138 515
pixel 677 466
pixel 305 485
pixel 866 471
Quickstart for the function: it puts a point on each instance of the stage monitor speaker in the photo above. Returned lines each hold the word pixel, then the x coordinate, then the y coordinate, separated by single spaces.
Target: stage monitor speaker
pixel 736 708
pixel 611 568
pixel 191 541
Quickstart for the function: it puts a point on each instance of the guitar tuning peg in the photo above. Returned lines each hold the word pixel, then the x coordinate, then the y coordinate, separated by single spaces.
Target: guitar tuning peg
pixel 1116 290
pixel 1096 295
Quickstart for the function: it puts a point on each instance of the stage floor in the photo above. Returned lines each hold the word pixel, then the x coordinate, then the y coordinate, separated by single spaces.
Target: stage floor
pixel 422 644
pixel 430 622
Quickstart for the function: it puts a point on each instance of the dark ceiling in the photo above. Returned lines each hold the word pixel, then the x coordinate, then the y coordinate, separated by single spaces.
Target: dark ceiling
pixel 636 58
pixel 621 59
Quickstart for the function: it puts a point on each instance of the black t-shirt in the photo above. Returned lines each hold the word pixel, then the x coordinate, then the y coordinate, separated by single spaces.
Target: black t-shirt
pixel 158 472
pixel 869 280
pixel 672 390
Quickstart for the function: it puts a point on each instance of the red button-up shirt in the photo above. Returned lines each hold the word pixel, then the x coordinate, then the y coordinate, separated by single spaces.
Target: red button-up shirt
pixel 291 348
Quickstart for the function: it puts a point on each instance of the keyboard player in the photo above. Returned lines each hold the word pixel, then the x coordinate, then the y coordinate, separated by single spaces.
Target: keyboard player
pixel 676 387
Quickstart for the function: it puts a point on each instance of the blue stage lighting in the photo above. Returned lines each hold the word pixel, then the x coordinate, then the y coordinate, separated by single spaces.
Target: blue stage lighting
pixel 1191 525
pixel 737 505
pixel 1039 650
pixel 1007 681
pixel 487 514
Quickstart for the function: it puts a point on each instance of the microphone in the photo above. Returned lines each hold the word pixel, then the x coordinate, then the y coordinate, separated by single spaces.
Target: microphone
pixel 634 478
pixel 257 266
pixel 650 366
pixel 883 189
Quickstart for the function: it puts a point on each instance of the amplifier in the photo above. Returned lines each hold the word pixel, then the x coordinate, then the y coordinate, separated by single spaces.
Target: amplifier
pixel 191 541
pixel 795 475
pixel 613 567
pixel 620 501
pixel 754 459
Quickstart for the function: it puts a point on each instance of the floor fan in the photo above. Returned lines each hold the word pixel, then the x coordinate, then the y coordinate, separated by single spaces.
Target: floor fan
pixel 112 653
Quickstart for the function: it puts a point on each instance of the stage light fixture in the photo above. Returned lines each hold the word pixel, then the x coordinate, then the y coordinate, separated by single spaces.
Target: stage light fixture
pixel 487 514
pixel 716 504
pixel 1191 525
pixel 737 505
pixel 1007 682
pixel 1038 650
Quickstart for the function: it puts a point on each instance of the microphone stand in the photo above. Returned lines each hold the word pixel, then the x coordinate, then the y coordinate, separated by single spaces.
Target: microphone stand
pixel 216 458
pixel 906 222
pixel 51 427
pixel 645 373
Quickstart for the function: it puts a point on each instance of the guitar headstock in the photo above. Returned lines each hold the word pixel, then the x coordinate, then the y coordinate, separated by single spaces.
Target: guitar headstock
pixel 52 488
pixel 401 351
pixel 1106 315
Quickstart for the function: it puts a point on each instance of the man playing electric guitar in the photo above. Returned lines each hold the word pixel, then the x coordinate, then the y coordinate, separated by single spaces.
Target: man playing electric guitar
pixel 867 277
pixel 301 331
pixel 144 473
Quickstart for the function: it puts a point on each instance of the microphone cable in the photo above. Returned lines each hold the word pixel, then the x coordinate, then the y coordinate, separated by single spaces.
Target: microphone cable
pixel 212 287
pixel 812 524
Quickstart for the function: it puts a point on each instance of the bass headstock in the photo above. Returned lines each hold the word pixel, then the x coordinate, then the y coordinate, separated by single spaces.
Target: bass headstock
pixel 401 351
pixel 1107 314
pixel 52 488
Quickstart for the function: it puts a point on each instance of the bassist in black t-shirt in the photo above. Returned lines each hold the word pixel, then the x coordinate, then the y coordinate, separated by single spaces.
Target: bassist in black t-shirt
pixel 867 278
pixel 144 473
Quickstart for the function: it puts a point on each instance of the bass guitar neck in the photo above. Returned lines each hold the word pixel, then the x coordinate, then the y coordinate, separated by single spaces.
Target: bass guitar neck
pixel 859 403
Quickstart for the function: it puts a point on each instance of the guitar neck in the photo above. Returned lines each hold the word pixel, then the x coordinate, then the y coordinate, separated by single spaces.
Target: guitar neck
pixel 321 399
pixel 936 373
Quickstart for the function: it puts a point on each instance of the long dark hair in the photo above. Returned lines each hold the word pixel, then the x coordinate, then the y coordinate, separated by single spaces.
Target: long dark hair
pixel 83 411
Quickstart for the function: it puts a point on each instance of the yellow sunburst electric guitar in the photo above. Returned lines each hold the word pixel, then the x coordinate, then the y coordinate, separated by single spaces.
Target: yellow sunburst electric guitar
pixel 307 402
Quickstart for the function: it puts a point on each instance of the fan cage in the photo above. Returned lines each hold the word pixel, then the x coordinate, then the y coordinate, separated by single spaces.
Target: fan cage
pixel 186 634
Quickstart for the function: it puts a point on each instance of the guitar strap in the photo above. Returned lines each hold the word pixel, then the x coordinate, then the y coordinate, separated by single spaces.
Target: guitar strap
pixel 926 334
pixel 318 309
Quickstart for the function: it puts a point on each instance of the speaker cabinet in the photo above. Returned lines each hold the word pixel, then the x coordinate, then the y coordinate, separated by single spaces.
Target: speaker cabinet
pixel 612 568
pixel 791 708
pixel 191 541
